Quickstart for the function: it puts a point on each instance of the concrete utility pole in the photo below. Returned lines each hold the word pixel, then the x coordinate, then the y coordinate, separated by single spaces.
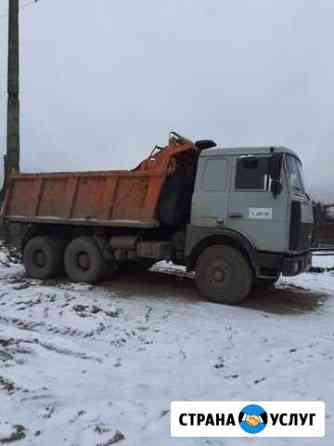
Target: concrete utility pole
pixel 12 159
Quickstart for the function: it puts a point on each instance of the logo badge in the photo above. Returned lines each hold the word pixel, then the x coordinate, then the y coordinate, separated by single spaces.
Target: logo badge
pixel 248 419
pixel 253 419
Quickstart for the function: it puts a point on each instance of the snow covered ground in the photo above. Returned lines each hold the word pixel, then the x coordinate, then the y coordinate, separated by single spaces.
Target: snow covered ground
pixel 99 365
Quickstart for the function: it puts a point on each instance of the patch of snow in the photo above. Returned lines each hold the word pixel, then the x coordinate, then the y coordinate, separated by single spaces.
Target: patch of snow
pixel 6 430
pixel 88 365
pixel 323 261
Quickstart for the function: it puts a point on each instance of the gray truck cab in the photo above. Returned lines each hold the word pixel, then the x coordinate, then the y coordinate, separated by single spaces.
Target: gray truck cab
pixel 251 201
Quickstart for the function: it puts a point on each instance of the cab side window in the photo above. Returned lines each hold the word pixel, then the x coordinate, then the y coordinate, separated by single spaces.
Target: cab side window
pixel 215 175
pixel 252 173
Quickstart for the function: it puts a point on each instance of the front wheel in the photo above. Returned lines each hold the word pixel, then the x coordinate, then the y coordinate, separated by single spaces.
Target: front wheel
pixel 223 275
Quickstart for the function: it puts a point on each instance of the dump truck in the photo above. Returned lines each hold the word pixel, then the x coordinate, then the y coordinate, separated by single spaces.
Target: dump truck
pixel 235 217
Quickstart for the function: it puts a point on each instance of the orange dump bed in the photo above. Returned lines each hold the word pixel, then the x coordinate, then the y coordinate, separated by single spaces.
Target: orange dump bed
pixel 110 198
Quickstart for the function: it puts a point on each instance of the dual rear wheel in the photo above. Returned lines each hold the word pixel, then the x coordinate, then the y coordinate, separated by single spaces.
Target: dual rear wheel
pixel 43 257
pixel 47 257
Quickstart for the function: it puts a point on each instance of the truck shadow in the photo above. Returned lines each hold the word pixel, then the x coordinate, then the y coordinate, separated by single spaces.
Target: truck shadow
pixel 159 285
pixel 287 300
pixel 155 285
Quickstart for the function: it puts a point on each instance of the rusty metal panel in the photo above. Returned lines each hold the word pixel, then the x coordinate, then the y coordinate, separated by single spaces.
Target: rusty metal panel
pixel 108 199
pixel 128 198
pixel 52 198
pixel 24 197
pixel 89 197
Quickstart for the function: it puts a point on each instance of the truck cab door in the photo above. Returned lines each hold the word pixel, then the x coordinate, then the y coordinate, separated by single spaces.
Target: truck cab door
pixel 253 209
pixel 210 198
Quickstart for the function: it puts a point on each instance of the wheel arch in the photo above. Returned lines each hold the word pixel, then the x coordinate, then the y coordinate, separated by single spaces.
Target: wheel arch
pixel 230 238
pixel 40 230
pixel 30 232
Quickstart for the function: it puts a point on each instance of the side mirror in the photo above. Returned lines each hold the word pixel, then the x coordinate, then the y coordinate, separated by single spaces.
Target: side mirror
pixel 275 169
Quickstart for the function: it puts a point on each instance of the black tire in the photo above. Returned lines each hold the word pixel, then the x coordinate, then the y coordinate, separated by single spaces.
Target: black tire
pixel 265 283
pixel 136 266
pixel 43 257
pixel 84 261
pixel 175 200
pixel 223 275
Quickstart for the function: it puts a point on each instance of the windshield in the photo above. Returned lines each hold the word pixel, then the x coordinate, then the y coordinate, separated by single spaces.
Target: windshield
pixel 295 174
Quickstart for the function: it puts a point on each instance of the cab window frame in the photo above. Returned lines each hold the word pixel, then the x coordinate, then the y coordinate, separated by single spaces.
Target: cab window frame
pixel 266 183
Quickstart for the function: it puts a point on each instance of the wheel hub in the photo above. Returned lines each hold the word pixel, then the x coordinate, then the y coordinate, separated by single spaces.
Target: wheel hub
pixel 218 273
pixel 84 261
pixel 40 258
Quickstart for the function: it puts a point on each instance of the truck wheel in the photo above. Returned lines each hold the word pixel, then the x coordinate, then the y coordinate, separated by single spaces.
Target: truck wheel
pixel 84 261
pixel 175 200
pixel 136 266
pixel 43 257
pixel 223 275
pixel 265 283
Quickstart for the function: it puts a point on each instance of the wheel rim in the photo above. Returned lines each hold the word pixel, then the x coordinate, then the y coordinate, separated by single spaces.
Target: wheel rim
pixel 83 261
pixel 218 273
pixel 40 258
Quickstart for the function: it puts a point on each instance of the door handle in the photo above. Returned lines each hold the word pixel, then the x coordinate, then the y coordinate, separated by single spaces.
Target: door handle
pixel 236 215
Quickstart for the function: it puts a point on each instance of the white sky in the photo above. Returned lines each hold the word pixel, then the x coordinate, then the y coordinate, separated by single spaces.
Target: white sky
pixel 103 81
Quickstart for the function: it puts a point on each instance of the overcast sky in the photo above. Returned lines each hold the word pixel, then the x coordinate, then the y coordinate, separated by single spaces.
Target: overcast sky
pixel 103 81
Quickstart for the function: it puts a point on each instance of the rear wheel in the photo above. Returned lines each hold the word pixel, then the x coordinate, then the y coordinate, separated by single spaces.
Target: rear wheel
pixel 223 275
pixel 84 261
pixel 43 257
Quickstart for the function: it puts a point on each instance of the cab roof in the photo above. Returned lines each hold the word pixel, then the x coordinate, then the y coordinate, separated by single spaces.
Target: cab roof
pixel 236 151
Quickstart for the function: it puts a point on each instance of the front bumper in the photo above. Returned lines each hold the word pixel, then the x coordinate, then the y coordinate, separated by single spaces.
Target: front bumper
pixel 294 265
